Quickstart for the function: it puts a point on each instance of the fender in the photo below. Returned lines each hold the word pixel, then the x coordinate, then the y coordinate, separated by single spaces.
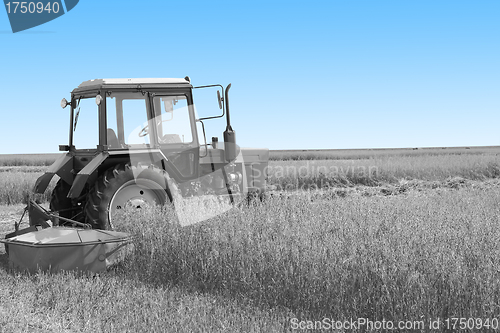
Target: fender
pixel 62 167
pixel 152 156
pixel 147 155
pixel 84 174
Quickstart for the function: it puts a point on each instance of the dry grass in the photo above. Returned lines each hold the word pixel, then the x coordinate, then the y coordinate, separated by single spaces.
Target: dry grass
pixel 422 254
pixel 383 170
pixel 16 186
pixel 115 303
pixel 336 168
pixel 356 154
pixel 418 255
pixel 27 159
pixel 428 252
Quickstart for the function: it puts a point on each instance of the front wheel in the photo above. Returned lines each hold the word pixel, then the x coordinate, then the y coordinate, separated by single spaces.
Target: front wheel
pixel 125 186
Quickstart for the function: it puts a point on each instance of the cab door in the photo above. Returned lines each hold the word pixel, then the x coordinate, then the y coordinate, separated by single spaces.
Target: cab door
pixel 176 134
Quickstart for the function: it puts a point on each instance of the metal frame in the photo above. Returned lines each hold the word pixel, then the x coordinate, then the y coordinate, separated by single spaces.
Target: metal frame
pixel 223 101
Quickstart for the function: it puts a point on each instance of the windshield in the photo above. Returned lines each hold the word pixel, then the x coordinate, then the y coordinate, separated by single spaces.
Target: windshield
pixel 127 121
pixel 86 124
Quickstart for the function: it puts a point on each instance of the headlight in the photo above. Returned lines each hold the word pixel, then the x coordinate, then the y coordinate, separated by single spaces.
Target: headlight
pixel 64 103
pixel 98 99
pixel 235 177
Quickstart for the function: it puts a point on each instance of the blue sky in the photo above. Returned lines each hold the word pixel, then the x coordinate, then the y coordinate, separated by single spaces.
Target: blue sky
pixel 305 75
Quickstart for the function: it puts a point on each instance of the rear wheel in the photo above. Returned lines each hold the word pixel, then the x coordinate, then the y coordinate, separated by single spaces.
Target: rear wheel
pixel 125 186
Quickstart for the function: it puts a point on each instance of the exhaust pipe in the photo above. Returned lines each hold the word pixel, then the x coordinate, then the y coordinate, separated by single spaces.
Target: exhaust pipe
pixel 230 148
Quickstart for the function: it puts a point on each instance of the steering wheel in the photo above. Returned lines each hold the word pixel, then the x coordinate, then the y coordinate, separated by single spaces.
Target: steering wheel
pixel 144 132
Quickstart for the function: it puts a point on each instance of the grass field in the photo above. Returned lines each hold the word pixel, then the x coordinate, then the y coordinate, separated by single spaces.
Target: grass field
pixel 382 171
pixel 355 154
pixel 390 170
pixel 415 239
pixel 16 183
pixel 27 159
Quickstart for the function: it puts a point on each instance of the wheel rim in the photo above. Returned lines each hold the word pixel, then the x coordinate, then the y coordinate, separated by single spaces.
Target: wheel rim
pixel 139 194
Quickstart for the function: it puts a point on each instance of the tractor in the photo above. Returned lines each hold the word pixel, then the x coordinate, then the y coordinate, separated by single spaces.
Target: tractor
pixel 149 148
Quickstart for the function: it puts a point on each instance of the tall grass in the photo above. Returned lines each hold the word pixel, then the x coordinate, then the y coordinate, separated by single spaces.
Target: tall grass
pixel 68 302
pixel 397 258
pixel 357 154
pixel 293 175
pixel 424 254
pixel 27 159
pixel 16 186
pixel 253 269
pixel 17 181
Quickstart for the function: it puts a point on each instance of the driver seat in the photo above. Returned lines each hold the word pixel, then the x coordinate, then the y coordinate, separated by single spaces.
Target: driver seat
pixel 112 139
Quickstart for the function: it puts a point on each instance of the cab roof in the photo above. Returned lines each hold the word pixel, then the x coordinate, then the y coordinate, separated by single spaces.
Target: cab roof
pixel 97 84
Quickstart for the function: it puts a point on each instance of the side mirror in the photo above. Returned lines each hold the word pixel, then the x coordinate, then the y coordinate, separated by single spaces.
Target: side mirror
pixel 64 103
pixel 220 99
pixel 168 105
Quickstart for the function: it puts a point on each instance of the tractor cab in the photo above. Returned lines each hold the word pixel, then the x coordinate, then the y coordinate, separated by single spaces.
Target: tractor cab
pixel 123 115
